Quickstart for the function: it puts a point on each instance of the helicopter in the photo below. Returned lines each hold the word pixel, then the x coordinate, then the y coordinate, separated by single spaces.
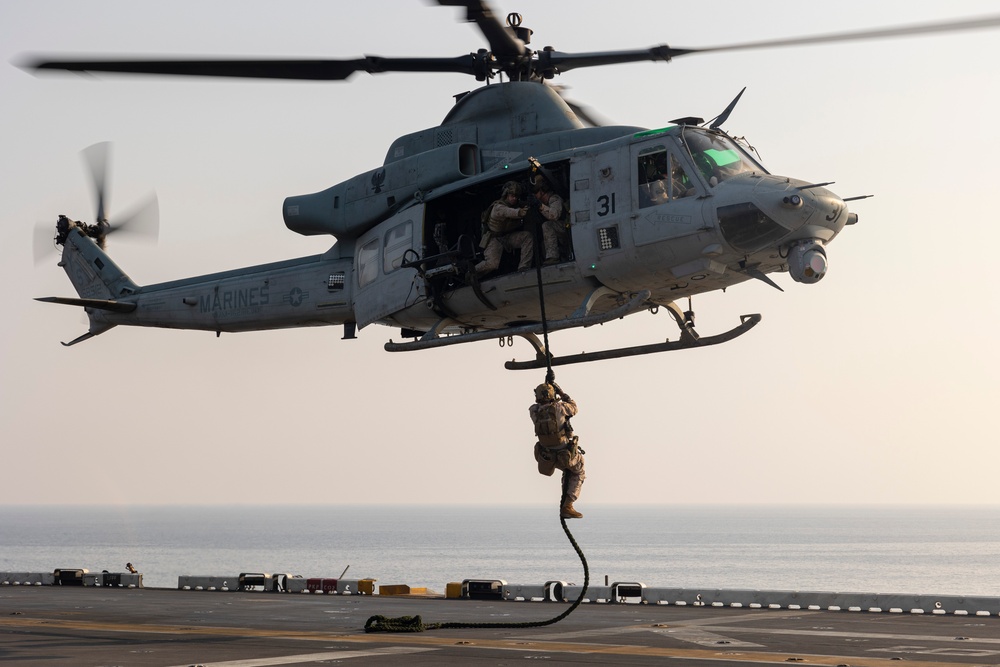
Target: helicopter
pixel 652 216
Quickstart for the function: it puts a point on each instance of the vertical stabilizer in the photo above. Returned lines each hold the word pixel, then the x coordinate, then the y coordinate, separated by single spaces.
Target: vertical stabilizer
pixel 92 272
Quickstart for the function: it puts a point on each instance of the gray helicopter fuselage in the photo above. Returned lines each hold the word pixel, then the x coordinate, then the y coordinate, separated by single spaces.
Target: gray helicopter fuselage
pixel 706 233
pixel 621 244
pixel 653 215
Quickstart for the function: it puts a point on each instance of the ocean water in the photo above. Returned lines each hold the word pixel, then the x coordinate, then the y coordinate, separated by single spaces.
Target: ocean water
pixel 878 549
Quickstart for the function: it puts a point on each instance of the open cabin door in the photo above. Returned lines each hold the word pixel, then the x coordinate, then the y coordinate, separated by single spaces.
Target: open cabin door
pixel 383 286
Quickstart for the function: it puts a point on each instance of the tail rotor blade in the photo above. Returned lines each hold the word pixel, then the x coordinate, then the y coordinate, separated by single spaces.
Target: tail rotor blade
pixel 142 220
pixel 96 158
pixel 43 241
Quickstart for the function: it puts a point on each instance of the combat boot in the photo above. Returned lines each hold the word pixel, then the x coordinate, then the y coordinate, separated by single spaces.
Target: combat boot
pixel 569 513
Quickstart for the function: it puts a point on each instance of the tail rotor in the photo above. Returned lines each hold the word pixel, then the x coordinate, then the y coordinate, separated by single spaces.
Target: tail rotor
pixel 142 221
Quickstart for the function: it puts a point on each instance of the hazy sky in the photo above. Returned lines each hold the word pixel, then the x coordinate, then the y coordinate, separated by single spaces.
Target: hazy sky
pixel 877 385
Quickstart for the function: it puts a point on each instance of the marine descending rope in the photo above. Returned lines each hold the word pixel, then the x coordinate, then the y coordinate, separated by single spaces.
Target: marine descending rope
pixel 379 623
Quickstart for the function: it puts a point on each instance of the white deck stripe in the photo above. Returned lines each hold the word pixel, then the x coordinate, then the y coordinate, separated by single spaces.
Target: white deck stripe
pixel 311 657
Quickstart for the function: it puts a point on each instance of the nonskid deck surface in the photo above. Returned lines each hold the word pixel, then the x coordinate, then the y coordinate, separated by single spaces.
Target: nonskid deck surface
pixel 42 626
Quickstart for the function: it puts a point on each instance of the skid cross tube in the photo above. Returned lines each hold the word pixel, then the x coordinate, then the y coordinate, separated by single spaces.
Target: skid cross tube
pixel 747 322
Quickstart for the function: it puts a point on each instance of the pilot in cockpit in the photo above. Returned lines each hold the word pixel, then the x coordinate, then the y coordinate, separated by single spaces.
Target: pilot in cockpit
pixel 652 180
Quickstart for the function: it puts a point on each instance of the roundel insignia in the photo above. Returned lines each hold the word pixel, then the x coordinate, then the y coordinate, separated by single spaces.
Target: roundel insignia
pixel 295 297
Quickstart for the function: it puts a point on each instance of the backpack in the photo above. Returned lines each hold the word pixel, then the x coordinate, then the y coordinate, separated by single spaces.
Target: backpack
pixel 485 217
pixel 549 424
pixel 484 231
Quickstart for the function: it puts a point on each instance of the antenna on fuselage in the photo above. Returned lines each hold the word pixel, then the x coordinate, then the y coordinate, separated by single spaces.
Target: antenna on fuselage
pixel 724 116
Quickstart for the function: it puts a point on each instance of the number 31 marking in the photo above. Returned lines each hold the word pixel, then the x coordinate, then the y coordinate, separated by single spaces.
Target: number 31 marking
pixel 605 204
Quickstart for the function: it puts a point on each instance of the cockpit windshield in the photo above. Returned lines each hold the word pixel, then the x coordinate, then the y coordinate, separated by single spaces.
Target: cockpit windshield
pixel 717 156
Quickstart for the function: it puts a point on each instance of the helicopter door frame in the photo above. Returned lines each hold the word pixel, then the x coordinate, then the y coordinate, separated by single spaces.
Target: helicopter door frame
pixel 382 284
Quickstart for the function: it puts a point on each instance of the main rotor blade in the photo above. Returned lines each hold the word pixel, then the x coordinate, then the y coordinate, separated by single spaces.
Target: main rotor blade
pixel 557 61
pixel 503 44
pixel 976 23
pixel 582 111
pixel 307 70
pixel 96 158
pixel 506 48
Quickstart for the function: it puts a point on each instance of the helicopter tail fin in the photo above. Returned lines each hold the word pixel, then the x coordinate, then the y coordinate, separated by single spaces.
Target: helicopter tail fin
pixel 93 273
pixel 96 278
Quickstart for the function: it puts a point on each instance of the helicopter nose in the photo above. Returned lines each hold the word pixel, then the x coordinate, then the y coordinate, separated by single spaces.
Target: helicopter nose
pixel 807 209
pixel 816 215
pixel 829 210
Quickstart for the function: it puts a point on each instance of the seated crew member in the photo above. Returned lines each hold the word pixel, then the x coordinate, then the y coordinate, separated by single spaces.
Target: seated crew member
pixel 554 234
pixel 557 446
pixel 680 183
pixel 504 222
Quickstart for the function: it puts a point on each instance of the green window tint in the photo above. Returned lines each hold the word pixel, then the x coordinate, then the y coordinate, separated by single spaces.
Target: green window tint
pixel 721 158
pixel 649 133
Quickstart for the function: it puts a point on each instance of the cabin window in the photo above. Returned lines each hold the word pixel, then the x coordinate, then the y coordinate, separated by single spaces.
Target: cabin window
pixel 398 240
pixel 368 263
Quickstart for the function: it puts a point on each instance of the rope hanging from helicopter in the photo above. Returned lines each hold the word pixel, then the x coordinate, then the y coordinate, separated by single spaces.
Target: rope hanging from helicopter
pixel 550 375
pixel 379 623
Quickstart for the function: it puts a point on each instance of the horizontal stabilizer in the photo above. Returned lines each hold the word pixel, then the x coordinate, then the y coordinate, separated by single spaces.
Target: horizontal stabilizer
pixel 100 304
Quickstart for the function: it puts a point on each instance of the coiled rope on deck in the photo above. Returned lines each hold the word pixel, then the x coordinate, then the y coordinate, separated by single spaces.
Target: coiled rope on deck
pixel 379 623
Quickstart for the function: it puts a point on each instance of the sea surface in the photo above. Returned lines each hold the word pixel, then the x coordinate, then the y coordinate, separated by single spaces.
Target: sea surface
pixel 944 550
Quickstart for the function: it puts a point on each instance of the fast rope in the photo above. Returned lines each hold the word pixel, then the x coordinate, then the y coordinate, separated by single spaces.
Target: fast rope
pixel 550 375
pixel 380 623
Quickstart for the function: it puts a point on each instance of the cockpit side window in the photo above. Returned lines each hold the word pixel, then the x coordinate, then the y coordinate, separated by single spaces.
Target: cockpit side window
pixel 661 177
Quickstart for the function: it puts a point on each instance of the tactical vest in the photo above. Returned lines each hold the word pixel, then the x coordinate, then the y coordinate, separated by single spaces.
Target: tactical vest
pixel 499 227
pixel 550 423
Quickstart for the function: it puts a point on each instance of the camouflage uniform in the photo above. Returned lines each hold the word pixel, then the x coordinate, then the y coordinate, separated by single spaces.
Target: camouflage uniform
pixel 504 234
pixel 553 229
pixel 565 457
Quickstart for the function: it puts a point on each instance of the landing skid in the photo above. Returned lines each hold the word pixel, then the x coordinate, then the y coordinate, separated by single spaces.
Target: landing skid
pixel 688 340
